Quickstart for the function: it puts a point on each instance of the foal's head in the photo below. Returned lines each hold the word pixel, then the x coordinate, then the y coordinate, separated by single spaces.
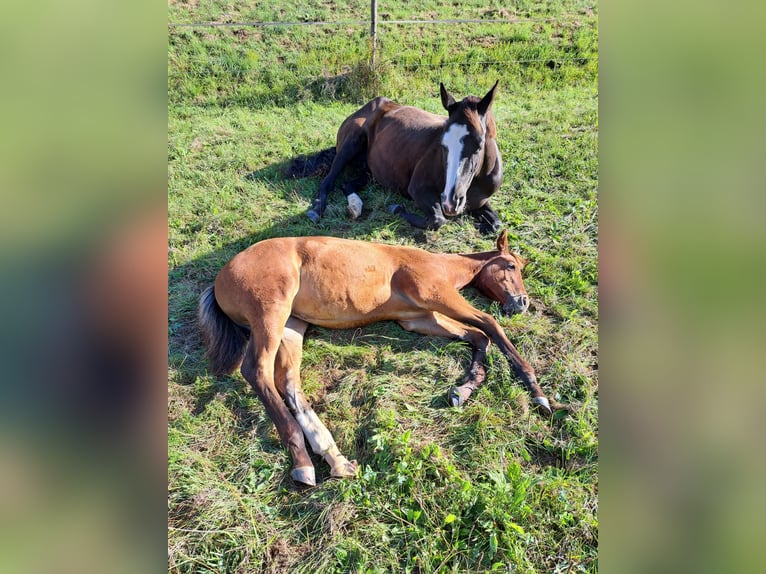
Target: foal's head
pixel 500 279
pixel 463 146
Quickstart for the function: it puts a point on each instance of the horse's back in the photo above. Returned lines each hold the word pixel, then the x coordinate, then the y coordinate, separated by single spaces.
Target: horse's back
pixel 364 120
pixel 403 138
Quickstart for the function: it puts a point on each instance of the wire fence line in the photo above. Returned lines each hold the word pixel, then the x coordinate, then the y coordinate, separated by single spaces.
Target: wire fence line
pixel 226 66
pixel 367 22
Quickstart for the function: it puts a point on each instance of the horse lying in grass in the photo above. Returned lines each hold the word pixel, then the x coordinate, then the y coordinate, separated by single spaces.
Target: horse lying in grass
pixel 256 313
pixel 446 165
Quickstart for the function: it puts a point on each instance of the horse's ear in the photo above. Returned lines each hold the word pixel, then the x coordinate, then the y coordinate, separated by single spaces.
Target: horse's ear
pixel 502 242
pixel 447 99
pixel 485 103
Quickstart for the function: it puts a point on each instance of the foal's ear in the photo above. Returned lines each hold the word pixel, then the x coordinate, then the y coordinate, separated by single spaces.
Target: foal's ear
pixel 502 242
pixel 522 260
pixel 485 103
pixel 447 99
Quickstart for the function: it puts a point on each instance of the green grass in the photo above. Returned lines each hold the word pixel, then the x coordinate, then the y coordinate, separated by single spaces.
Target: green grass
pixel 487 486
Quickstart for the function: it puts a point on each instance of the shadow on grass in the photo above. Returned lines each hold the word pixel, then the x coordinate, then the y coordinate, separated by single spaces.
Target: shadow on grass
pixel 187 281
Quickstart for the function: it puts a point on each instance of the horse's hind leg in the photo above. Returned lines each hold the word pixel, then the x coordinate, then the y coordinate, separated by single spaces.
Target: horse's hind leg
pixel 439 325
pixel 255 369
pixel 351 146
pixel 350 191
pixel 289 385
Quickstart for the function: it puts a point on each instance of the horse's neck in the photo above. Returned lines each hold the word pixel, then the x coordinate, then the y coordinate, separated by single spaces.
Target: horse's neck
pixel 464 268
pixel 491 151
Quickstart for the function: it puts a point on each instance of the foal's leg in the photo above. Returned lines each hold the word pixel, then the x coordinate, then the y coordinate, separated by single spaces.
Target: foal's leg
pixel 258 370
pixel 348 150
pixel 457 308
pixel 288 382
pixel 439 325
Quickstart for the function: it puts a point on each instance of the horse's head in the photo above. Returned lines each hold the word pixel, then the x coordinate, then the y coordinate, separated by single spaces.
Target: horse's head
pixel 500 279
pixel 463 146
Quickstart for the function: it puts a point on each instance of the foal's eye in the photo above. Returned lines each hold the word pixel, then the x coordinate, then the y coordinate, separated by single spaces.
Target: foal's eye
pixel 511 266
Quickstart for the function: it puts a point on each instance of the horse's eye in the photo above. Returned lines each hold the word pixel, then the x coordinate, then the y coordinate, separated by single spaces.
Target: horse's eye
pixel 511 266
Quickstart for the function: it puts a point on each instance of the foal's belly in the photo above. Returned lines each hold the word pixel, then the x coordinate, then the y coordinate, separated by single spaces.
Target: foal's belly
pixel 342 307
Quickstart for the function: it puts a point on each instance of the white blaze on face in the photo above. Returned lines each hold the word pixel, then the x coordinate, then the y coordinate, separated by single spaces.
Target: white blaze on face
pixel 452 141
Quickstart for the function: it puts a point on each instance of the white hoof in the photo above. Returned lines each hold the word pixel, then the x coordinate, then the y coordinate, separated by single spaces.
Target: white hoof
pixel 354 205
pixel 544 404
pixel 341 467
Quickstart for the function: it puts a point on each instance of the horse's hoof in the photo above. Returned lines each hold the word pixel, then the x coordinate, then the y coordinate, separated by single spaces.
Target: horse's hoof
pixel 490 228
pixel 354 205
pixel 344 469
pixel 304 475
pixel 313 216
pixel 543 406
pixel 396 209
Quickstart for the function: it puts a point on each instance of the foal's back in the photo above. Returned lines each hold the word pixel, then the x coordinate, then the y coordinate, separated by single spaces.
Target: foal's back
pixel 326 281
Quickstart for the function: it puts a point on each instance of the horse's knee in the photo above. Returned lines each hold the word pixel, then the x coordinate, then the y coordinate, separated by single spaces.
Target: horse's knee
pixel 489 222
pixel 435 222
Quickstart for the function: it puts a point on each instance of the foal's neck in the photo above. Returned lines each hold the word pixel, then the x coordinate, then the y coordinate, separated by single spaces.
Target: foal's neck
pixel 463 268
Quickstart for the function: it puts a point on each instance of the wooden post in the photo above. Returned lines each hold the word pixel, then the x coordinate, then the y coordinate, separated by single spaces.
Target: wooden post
pixel 373 30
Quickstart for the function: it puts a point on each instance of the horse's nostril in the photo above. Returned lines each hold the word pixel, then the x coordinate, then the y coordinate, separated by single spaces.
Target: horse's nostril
pixel 524 301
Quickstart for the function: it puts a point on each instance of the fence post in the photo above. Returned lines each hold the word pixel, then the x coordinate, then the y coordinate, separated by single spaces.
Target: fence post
pixel 373 30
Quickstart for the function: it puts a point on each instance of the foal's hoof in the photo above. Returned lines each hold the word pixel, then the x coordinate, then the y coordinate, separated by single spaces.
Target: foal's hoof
pixel 313 216
pixel 344 468
pixel 354 205
pixel 458 396
pixel 543 406
pixel 304 475
pixel 396 209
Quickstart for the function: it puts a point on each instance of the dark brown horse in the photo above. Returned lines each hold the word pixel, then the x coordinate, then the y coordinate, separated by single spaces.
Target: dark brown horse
pixel 446 165
pixel 257 312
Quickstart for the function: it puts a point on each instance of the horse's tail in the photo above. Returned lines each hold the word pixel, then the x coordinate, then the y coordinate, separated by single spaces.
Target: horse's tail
pixel 224 340
pixel 312 164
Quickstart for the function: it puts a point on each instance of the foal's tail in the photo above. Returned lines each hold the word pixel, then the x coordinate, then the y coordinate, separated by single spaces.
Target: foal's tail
pixel 224 340
pixel 312 164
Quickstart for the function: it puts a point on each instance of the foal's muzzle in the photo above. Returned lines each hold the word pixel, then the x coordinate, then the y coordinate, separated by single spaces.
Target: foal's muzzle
pixel 516 304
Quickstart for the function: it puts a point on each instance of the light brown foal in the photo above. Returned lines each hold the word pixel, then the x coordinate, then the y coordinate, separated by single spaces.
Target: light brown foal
pixel 257 312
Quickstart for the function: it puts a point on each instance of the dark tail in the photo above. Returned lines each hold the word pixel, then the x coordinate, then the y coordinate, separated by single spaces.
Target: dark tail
pixel 224 340
pixel 310 165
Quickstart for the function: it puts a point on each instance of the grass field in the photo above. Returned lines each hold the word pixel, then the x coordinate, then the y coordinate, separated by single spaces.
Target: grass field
pixel 486 487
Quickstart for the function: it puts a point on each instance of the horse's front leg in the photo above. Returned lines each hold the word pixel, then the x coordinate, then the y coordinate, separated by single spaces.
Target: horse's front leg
pixel 288 383
pixel 483 187
pixel 438 325
pixel 433 219
pixel 488 221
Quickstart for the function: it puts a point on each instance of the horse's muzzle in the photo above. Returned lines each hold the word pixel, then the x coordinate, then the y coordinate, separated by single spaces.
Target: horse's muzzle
pixel 452 208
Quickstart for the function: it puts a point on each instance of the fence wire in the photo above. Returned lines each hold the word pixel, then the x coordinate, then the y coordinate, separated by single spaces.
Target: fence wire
pixel 368 22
